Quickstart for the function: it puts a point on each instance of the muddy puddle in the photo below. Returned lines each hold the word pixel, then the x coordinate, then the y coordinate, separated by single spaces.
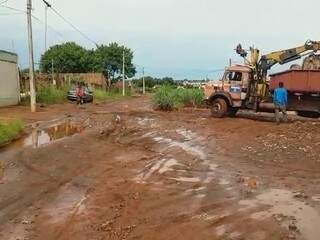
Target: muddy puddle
pixel 40 137
pixel 283 205
pixel 47 135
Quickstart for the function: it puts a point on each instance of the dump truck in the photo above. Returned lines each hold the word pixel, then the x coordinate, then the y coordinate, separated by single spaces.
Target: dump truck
pixel 248 85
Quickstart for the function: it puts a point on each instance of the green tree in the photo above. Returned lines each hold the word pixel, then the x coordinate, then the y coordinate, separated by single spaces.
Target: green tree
pixel 67 58
pixel 109 60
pixel 168 81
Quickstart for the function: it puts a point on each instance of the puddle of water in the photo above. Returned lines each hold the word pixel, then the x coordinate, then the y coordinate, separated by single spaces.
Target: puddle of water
pixel 160 166
pixel 187 179
pixel 187 134
pixel 167 165
pixel 316 198
pixel 49 135
pixel 144 121
pixel 70 201
pixel 196 189
pixel 224 182
pixel 201 195
pixel 283 202
pixel 186 146
pixel 221 230
pixel 235 235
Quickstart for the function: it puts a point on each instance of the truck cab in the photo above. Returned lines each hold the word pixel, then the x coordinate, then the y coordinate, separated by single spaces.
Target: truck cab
pixel 232 91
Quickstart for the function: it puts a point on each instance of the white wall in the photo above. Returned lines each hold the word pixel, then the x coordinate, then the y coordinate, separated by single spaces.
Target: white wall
pixel 9 82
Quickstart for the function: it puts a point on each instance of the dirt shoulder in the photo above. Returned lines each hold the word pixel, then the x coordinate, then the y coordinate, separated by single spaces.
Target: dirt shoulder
pixel 134 173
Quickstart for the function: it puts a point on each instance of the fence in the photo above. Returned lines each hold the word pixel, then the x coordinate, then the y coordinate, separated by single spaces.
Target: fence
pixel 61 79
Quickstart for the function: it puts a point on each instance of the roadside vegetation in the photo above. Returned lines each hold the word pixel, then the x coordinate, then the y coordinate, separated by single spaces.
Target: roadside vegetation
pixel 168 98
pixel 9 130
pixel 101 95
pixel 52 94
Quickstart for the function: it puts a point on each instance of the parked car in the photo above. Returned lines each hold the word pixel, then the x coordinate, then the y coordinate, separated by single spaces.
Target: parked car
pixel 88 94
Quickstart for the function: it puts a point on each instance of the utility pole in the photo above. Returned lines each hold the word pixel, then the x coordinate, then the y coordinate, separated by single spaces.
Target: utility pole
pixel 13 48
pixel 47 5
pixel 52 71
pixel 143 83
pixel 123 76
pixel 45 26
pixel 31 59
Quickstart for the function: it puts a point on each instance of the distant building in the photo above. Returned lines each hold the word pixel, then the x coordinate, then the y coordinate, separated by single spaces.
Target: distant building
pixel 9 79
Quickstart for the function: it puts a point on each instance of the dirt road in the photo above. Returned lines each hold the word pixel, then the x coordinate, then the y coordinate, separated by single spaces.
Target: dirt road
pixel 123 171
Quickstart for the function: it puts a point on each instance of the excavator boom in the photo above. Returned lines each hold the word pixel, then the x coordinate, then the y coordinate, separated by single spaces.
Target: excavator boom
pixel 288 55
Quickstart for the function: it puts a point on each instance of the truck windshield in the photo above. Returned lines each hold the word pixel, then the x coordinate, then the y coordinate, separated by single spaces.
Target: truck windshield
pixel 233 76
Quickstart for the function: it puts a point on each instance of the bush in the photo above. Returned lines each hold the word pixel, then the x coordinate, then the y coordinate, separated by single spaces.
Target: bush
pixel 52 94
pixel 103 95
pixel 189 97
pixel 9 130
pixel 164 98
pixel 168 98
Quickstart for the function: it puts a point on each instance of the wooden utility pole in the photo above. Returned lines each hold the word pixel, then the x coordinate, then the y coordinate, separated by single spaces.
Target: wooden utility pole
pixel 123 76
pixel 52 71
pixel 31 59
pixel 143 83
pixel 47 5
pixel 45 26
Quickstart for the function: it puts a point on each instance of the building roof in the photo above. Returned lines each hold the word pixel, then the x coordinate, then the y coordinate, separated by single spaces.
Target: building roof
pixel 8 57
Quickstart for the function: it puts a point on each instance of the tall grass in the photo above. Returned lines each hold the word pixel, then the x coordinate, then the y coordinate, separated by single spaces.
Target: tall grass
pixel 9 130
pixel 103 95
pixel 168 98
pixel 52 94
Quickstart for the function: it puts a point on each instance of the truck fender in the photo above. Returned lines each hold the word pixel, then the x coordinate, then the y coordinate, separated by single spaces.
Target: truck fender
pixel 223 95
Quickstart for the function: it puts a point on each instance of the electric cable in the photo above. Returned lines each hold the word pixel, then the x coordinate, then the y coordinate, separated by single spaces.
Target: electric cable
pixel 74 27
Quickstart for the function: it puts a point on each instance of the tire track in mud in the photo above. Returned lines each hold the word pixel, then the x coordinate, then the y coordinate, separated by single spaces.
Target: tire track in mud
pixel 170 146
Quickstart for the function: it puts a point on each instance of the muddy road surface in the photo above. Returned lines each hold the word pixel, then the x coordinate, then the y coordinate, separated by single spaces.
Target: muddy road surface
pixel 123 171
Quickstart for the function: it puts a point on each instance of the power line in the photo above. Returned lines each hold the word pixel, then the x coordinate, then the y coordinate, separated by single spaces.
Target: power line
pixel 10 14
pixel 54 30
pixel 13 9
pixel 73 26
pixel 3 2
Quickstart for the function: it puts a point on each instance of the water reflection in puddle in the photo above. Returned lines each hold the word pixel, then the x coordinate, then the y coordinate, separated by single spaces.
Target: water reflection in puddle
pixel 283 202
pixel 40 137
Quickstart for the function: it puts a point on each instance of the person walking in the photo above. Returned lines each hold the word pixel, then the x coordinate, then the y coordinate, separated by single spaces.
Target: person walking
pixel 280 100
pixel 80 93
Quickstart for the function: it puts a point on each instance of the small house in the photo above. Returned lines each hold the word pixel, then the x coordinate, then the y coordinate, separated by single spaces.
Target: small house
pixel 9 79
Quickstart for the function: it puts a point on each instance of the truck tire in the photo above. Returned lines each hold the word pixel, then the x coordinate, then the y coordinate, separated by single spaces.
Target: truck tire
pixel 308 114
pixel 219 108
pixel 232 112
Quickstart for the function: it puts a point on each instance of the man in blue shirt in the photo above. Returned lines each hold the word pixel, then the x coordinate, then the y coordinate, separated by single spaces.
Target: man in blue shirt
pixel 280 100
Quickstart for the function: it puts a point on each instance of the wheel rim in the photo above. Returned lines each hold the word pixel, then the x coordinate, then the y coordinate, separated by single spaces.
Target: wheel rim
pixel 216 107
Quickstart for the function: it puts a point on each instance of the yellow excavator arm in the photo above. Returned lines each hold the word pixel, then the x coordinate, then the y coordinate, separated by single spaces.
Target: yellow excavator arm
pixel 261 65
pixel 288 55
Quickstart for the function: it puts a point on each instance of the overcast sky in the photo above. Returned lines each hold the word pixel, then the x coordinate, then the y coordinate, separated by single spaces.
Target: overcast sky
pixel 179 38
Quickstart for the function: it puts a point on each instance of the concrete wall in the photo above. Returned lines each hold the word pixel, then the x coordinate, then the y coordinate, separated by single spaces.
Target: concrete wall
pixel 9 79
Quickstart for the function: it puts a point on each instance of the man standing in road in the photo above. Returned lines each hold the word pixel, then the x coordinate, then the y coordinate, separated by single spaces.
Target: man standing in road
pixel 280 100
pixel 80 93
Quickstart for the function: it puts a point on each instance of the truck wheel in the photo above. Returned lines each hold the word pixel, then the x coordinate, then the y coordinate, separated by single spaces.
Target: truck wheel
pixel 308 114
pixel 219 108
pixel 232 112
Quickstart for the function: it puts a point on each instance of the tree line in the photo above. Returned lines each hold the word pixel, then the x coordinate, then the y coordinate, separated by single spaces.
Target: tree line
pixel 150 82
pixel 70 57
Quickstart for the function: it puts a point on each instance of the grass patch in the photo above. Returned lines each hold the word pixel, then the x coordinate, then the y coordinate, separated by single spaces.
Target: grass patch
pixel 168 98
pixel 51 94
pixel 9 130
pixel 101 95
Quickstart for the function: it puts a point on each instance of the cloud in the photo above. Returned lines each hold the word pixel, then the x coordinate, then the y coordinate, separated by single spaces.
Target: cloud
pixel 172 37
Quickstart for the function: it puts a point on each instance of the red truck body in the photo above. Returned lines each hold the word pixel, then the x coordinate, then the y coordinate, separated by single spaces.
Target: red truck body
pixel 304 90
pixel 297 81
